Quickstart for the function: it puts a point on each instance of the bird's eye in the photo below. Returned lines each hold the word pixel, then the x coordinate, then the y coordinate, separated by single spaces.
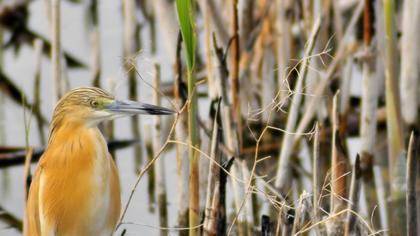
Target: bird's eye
pixel 94 103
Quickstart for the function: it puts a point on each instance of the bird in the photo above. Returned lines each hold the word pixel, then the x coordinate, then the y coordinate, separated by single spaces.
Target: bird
pixel 75 188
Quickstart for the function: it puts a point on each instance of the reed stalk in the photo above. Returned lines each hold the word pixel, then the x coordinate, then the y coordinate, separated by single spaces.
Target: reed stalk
pixel 338 174
pixel 217 20
pixel 38 45
pixel 181 130
pixel 283 172
pixel 160 163
pixel 309 112
pixel 316 177
pixel 213 178
pixel 411 196
pixel 165 16
pixel 131 46
pixel 151 175
pixel 56 50
pixel 394 123
pixel 95 42
pixel 368 117
pixel 410 62
pixel 353 204
pixel 185 10
pixel 234 73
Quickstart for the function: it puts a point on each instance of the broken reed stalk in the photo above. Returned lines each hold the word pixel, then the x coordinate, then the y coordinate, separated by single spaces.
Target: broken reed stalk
pixel 283 172
pixel 410 61
pixel 411 197
pixel 38 45
pixel 338 173
pixel 182 166
pixel 353 203
pixel 56 50
pixel 131 46
pixel 209 225
pixel 185 9
pixel 395 135
pixel 302 212
pixel 229 136
pixel 160 163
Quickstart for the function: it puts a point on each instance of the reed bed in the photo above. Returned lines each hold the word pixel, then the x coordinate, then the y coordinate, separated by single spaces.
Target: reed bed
pixel 294 117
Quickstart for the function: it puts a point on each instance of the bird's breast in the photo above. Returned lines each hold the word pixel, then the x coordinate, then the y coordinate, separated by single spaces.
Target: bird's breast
pixel 76 185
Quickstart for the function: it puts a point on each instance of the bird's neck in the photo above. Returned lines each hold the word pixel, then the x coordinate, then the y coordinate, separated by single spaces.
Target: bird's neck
pixel 77 139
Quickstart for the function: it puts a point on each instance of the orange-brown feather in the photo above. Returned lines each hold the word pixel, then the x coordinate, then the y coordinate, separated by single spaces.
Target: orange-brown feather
pixel 66 185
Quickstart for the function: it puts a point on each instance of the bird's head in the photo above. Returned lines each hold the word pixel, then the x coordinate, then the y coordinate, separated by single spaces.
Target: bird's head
pixel 90 106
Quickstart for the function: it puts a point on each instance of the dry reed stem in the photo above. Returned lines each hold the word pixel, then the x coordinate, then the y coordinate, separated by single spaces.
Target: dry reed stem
pixel 217 21
pixel 410 61
pixel 283 171
pixel 411 197
pixel 181 151
pixel 355 185
pixel 160 165
pixel 56 50
pixel 339 55
pixel 213 178
pixel 130 45
pixel 38 45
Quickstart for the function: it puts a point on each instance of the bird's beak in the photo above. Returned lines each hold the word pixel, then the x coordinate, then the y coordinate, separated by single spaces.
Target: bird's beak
pixel 133 108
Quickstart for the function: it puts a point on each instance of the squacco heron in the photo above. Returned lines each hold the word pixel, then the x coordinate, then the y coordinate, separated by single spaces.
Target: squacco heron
pixel 75 188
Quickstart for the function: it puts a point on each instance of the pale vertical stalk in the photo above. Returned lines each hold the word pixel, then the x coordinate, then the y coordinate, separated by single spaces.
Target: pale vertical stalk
pixel 246 173
pixel 217 20
pixel 411 198
pixel 283 47
pixel 394 125
pixel 410 61
pixel 181 129
pixel 38 45
pixel 283 172
pixel 237 188
pixel 354 194
pixel 160 163
pixel 213 180
pixel 368 118
pixel 2 102
pixel 56 50
pixel 316 177
pixel 151 175
pixel 130 49
pixel 95 42
pixel 165 15
pixel 213 92
pixel 319 90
